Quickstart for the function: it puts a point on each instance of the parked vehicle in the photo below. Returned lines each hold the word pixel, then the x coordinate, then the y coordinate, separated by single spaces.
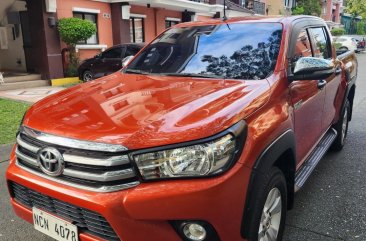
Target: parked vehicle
pixel 361 43
pixel 206 135
pixel 346 43
pixel 107 62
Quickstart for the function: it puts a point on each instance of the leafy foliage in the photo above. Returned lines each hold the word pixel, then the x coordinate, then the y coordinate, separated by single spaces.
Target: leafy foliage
pixel 74 30
pixel 338 31
pixel 298 10
pixel 247 63
pixel 307 7
pixel 360 28
pixel 356 8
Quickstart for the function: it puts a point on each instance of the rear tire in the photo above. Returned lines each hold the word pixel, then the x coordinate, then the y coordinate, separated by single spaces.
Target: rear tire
pixel 87 76
pixel 270 210
pixel 342 128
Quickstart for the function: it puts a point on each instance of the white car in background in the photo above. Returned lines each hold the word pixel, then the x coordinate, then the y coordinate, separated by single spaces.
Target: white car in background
pixel 348 43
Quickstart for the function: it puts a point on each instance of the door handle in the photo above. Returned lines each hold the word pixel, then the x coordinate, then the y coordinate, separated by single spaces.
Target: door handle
pixel 321 84
pixel 338 71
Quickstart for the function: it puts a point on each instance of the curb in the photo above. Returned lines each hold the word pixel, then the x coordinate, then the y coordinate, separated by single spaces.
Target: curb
pixel 65 81
pixel 5 151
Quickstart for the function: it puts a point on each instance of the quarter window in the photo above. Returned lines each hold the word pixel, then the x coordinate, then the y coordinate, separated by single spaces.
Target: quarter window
pixel 137 30
pixel 92 18
pixel 321 46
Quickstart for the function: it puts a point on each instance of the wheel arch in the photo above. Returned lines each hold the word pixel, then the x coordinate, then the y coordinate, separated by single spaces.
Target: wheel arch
pixel 282 154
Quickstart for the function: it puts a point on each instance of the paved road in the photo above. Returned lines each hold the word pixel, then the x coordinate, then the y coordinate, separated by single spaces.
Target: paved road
pixel 331 206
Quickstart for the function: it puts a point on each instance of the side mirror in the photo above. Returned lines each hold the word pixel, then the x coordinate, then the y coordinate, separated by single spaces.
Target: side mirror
pixel 98 56
pixel 310 68
pixel 127 60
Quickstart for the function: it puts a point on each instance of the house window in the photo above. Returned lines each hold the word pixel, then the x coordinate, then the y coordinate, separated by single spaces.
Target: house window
pixel 137 30
pixel 170 23
pixel 92 17
pixel 289 3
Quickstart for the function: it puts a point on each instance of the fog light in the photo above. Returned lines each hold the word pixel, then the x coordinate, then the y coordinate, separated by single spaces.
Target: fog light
pixel 194 231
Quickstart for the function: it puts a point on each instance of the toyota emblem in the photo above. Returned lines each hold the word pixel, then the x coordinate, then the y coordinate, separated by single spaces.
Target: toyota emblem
pixel 51 161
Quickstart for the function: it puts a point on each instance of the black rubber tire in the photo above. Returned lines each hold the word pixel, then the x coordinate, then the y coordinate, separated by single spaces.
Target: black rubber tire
pixel 85 75
pixel 341 139
pixel 274 178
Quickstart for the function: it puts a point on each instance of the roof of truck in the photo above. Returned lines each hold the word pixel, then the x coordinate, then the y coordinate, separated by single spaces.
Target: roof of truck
pixel 254 18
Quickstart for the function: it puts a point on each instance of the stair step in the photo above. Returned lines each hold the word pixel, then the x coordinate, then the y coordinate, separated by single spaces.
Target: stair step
pixel 24 85
pixel 312 161
pixel 21 78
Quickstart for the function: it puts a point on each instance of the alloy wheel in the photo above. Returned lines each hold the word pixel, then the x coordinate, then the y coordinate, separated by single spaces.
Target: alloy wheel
pixel 271 216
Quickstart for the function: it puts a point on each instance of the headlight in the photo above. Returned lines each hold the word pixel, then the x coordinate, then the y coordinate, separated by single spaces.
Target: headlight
pixel 204 159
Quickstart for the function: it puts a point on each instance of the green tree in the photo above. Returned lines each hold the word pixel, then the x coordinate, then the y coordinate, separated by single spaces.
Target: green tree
pixel 307 7
pixel 72 31
pixel 298 10
pixel 360 28
pixel 338 31
pixel 356 8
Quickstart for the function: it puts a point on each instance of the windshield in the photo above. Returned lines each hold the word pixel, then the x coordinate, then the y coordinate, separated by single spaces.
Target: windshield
pixel 236 51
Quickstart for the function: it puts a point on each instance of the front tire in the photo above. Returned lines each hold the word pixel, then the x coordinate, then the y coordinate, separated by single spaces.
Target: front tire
pixel 87 76
pixel 270 211
pixel 342 128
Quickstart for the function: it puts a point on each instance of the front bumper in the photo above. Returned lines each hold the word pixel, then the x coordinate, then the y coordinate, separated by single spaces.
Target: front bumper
pixel 143 213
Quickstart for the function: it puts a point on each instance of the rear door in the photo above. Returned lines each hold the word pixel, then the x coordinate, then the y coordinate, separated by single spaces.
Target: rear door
pixel 323 49
pixel 307 101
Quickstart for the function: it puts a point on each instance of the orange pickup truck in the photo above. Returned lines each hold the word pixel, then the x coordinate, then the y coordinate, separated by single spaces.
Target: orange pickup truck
pixel 205 135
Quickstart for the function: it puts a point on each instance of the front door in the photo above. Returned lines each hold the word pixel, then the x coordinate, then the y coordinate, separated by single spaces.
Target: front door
pixel 308 101
pixel 27 41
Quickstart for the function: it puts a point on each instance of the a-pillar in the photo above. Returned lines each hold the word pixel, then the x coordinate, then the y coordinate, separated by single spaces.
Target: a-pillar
pixel 45 54
pixel 120 26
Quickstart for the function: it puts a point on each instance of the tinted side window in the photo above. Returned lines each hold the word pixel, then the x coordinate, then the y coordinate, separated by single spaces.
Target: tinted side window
pixel 113 53
pixel 303 47
pixel 320 43
pixel 131 51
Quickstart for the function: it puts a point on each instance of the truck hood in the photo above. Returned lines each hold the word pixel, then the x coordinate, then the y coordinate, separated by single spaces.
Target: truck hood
pixel 139 111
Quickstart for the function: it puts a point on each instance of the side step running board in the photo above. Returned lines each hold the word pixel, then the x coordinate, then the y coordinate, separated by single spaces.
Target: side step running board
pixel 309 165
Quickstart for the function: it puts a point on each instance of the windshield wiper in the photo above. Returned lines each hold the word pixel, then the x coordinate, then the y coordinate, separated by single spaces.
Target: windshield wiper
pixel 136 71
pixel 194 75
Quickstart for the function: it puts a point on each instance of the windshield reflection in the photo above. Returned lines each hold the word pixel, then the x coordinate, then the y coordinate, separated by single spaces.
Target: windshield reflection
pixel 243 51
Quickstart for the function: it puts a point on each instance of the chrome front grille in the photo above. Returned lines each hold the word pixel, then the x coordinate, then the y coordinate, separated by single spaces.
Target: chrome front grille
pixel 88 165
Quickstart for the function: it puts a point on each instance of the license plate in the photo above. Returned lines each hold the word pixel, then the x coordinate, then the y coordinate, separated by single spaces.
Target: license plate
pixel 54 227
